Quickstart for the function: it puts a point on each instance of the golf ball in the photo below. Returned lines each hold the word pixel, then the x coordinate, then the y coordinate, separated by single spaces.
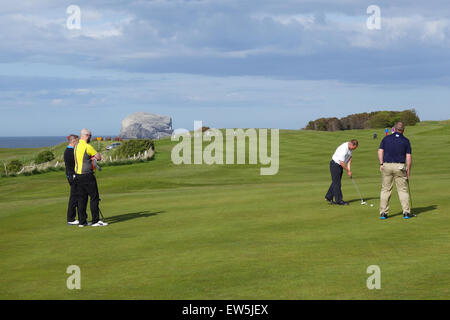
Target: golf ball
pixel 371 205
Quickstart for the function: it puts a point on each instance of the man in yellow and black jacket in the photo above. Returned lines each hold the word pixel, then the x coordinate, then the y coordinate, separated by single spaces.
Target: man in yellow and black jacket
pixel 85 178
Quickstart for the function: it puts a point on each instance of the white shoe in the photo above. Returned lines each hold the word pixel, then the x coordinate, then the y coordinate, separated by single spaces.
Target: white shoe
pixel 73 223
pixel 85 225
pixel 100 224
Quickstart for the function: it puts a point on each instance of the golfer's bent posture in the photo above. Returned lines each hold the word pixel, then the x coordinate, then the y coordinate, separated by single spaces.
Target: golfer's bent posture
pixel 69 160
pixel 395 165
pixel 85 179
pixel 341 160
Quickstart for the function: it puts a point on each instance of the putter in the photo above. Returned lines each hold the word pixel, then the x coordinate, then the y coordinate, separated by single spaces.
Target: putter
pixel 357 189
pixel 100 211
pixel 410 198
pixel 96 166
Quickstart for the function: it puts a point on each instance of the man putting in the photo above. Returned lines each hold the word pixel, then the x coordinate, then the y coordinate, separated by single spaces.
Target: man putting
pixel 341 160
pixel 69 161
pixel 85 179
pixel 395 165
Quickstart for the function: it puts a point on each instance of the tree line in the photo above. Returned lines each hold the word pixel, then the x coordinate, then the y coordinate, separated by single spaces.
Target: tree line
pixel 377 119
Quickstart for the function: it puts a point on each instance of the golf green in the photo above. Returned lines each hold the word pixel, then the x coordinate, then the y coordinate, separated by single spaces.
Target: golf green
pixel 227 232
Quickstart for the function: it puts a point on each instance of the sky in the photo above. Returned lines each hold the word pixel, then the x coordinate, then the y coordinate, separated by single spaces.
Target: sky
pixel 228 63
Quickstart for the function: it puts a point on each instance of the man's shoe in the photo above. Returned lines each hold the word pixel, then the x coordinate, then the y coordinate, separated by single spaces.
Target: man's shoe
pixel 100 224
pixel 73 223
pixel 342 203
pixel 328 200
pixel 83 225
pixel 383 216
pixel 407 215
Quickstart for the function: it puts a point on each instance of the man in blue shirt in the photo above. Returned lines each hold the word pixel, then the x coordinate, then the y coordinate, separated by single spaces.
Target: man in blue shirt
pixel 395 159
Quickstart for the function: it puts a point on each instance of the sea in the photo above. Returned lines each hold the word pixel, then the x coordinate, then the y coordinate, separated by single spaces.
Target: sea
pixel 30 142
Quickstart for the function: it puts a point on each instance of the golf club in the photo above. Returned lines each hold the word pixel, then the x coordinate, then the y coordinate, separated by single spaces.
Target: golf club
pixel 410 198
pixel 357 189
pixel 100 211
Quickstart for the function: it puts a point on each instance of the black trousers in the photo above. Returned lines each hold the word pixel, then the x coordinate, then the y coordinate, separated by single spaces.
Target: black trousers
pixel 87 187
pixel 73 202
pixel 335 188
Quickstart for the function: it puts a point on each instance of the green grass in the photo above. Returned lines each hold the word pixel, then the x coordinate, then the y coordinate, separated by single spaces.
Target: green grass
pixel 226 232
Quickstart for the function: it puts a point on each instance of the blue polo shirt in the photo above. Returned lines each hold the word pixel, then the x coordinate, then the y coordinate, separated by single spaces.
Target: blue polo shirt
pixel 395 147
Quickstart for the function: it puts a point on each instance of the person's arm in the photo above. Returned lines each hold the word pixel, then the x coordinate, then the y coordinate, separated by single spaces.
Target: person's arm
pixel 408 165
pixel 93 153
pixel 349 166
pixel 408 160
pixel 346 167
pixel 380 158
pixel 69 162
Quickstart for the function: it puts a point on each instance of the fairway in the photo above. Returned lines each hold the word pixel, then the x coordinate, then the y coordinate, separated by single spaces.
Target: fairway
pixel 226 232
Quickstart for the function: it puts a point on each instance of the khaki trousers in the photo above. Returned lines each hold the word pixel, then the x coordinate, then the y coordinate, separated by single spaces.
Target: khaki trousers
pixel 394 172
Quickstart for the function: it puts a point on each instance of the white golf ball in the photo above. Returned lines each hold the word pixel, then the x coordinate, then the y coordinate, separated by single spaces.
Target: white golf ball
pixel 371 205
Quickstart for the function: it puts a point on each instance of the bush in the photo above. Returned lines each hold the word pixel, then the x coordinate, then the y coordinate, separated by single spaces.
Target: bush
pixel 133 147
pixel 382 120
pixel 378 119
pixel 14 166
pixel 409 117
pixel 44 156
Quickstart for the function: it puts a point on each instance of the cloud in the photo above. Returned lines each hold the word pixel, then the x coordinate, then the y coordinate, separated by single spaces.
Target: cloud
pixel 287 59
pixel 300 39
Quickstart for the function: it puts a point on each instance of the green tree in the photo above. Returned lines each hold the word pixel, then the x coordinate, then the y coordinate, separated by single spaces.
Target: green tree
pixel 14 166
pixel 132 147
pixel 44 156
pixel 382 119
pixel 409 117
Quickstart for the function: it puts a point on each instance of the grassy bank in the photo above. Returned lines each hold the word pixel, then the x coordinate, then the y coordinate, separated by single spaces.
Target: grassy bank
pixel 226 232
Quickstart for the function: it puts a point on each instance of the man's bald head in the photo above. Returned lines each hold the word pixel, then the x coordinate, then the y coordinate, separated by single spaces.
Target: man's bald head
pixel 85 135
pixel 399 127
pixel 85 132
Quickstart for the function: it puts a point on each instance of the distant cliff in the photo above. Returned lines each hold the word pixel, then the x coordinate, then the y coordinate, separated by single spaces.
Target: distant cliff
pixel 142 125
pixel 378 119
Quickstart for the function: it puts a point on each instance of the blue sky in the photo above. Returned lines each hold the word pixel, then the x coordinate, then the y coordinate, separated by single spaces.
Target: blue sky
pixel 229 63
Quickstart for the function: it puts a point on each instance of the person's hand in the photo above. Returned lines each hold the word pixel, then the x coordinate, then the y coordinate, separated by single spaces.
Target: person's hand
pixel 349 173
pixel 381 168
pixel 408 174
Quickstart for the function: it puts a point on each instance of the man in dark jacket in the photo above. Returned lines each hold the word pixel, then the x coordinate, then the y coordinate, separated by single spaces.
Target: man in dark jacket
pixel 69 160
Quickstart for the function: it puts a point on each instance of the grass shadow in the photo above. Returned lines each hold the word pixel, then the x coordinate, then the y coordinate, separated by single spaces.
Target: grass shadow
pixel 419 210
pixel 130 216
